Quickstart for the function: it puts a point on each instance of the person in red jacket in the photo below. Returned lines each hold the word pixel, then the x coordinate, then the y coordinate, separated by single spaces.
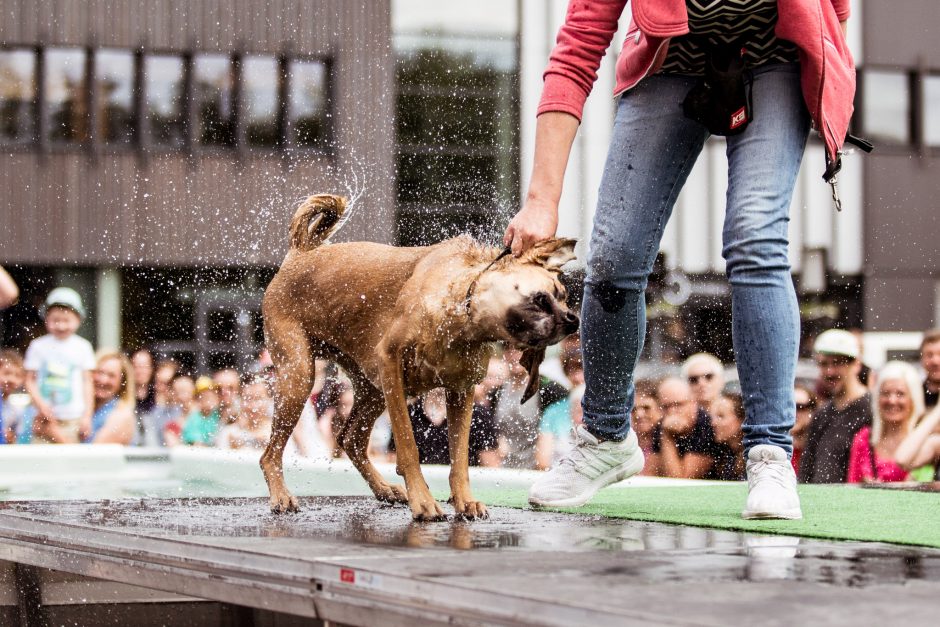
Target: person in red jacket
pixel 800 71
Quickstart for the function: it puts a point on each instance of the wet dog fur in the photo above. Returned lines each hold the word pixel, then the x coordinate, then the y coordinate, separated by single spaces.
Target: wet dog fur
pixel 400 322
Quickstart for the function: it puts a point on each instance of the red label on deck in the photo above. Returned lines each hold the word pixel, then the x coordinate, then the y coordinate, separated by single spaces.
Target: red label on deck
pixel 738 117
pixel 347 575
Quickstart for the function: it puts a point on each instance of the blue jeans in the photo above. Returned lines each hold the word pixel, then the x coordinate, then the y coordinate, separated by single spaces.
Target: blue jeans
pixel 652 151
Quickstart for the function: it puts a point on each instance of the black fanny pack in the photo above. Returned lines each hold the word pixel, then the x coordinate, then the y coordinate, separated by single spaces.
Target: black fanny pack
pixel 721 100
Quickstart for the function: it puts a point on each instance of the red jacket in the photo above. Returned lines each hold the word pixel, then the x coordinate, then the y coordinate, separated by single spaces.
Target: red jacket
pixel 827 67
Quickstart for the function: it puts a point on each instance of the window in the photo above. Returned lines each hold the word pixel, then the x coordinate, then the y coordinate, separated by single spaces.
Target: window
pixel 17 95
pixel 164 101
pixel 886 99
pixel 308 107
pixel 931 108
pixel 114 96
pixel 456 113
pixel 66 97
pixel 260 89
pixel 213 93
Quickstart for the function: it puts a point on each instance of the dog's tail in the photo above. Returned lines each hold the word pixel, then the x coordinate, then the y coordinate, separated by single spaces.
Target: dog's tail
pixel 315 220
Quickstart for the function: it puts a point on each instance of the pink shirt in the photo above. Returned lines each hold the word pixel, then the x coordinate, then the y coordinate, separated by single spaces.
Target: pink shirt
pixel 860 462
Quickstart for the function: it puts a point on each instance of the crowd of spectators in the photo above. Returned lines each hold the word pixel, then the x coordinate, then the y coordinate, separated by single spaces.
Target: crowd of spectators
pixel 852 424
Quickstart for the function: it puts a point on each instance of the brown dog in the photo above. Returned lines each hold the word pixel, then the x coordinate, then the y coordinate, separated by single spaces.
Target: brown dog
pixel 402 321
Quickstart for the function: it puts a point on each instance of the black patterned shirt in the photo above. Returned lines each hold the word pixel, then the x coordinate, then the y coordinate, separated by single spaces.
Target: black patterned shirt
pixel 725 22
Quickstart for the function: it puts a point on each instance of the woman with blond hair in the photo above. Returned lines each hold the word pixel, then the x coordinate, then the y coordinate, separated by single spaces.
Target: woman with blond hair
pixel 897 404
pixel 113 421
pixel 919 452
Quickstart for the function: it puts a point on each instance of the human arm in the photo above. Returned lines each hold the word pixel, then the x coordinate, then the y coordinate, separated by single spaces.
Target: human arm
pixel 300 440
pixel 544 449
pixel 688 466
pixel 673 463
pixel 652 467
pixel 119 426
pixel 922 445
pixel 537 220
pixel 9 292
pixel 572 70
pixel 43 409
pixel 44 422
pixel 860 459
pixel 490 458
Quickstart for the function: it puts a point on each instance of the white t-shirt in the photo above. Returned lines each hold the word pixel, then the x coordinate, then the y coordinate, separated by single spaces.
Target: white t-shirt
pixel 60 367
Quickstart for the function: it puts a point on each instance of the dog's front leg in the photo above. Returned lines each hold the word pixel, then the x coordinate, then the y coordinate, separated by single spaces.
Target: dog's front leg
pixel 423 506
pixel 459 414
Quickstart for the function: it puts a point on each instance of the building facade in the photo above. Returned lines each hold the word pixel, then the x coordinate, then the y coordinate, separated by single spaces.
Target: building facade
pixel 152 153
pixel 899 98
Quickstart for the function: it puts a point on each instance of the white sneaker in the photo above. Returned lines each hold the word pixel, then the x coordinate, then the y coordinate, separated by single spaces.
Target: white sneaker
pixel 589 466
pixel 771 485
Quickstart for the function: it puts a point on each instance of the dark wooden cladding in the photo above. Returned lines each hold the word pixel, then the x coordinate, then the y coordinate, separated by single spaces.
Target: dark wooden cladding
pixel 65 206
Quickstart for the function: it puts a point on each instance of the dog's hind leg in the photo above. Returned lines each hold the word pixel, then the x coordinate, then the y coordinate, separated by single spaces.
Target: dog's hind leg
pixel 459 414
pixel 354 436
pixel 290 352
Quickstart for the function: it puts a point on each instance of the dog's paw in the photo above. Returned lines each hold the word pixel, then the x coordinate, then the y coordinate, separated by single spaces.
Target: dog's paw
pixel 392 493
pixel 284 504
pixel 471 510
pixel 427 511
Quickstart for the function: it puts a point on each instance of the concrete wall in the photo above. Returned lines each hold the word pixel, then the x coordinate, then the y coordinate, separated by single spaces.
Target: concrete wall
pixel 902 204
pixel 64 206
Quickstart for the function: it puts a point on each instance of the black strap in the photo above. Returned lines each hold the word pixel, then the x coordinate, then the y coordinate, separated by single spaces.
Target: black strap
pixel 858 142
pixel 466 301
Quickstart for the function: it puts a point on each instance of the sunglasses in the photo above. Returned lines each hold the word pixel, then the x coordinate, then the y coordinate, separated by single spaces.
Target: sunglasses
pixel 694 378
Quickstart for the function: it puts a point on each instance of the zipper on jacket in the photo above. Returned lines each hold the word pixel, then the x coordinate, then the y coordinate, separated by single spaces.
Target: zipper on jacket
pixel 645 74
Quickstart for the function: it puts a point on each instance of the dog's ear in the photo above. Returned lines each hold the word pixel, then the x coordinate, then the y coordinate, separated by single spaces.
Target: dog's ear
pixel 531 359
pixel 551 253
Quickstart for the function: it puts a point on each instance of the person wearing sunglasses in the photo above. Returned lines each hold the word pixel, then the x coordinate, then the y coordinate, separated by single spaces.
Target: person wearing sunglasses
pixel 706 377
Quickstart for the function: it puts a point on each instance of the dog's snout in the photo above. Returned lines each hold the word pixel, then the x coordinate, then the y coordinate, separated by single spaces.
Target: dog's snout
pixel 571 322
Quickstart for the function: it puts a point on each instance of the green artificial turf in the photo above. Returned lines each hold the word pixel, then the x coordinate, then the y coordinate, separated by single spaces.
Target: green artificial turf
pixel 832 512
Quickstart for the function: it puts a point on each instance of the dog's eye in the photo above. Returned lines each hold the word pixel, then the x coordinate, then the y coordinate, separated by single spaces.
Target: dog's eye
pixel 542 301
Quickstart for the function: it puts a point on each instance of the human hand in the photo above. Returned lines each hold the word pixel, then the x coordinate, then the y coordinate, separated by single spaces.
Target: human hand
pixel 536 221
pixel 44 411
pixel 673 426
pixel 84 427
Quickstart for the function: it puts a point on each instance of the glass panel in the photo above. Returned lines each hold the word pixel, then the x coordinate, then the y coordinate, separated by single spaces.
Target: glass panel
pixel 423 228
pixel 260 96
pixel 114 106
pixel 215 121
pixel 308 110
pixel 932 110
pixel 17 95
pixel 447 118
pixel 430 17
pixel 447 179
pixel 65 95
pixel 164 105
pixel 887 106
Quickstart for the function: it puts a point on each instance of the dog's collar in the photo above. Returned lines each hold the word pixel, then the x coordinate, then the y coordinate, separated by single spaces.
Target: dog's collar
pixel 473 284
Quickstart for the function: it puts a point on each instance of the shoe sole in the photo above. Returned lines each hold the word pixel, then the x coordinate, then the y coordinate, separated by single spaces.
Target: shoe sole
pixel 787 514
pixel 627 470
